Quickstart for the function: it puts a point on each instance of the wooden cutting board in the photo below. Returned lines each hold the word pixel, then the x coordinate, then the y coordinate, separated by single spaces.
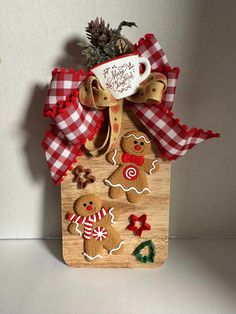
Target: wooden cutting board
pixel 155 205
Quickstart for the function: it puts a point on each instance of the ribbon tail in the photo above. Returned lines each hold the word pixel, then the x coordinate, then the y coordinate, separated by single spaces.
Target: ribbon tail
pixel 112 132
pixel 174 139
pixel 96 150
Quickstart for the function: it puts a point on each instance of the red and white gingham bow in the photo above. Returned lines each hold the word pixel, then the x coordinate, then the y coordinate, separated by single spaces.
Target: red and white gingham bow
pixel 74 123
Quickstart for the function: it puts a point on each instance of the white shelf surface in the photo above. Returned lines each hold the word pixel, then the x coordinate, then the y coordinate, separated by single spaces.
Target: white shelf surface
pixel 199 277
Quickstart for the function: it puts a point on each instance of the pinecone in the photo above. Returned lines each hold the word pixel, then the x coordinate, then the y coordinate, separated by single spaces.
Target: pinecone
pixel 105 42
pixel 98 33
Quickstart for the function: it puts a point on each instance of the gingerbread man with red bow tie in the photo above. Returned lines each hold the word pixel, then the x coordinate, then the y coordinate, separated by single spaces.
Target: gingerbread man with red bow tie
pixel 131 175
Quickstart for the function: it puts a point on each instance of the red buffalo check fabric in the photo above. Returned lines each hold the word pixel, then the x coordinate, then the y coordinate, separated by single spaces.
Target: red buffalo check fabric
pixel 59 154
pixel 74 123
pixel 150 48
pixel 174 139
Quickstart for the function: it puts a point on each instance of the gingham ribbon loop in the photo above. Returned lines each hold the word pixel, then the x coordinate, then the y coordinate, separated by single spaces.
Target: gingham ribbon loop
pixel 77 116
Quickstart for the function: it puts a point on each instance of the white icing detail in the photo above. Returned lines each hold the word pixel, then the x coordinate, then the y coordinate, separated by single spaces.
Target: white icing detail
pixel 84 220
pixel 76 228
pixel 90 257
pixel 88 224
pixel 87 237
pixel 93 217
pixel 71 218
pixel 137 137
pixel 116 249
pixel 103 211
pixel 131 172
pixel 113 157
pixel 153 166
pixel 127 190
pixel 112 215
pixel 78 218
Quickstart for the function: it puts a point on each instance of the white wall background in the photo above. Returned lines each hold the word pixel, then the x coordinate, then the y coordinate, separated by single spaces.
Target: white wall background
pixel 199 36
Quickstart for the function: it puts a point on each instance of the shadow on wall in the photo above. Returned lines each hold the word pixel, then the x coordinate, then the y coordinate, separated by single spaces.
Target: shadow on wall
pixel 34 127
pixel 72 56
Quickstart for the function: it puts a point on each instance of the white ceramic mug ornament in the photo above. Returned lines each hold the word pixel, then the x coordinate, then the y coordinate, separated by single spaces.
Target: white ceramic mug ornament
pixel 121 74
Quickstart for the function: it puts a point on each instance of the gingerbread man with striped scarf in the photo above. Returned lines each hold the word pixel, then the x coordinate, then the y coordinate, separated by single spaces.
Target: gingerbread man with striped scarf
pixel 94 222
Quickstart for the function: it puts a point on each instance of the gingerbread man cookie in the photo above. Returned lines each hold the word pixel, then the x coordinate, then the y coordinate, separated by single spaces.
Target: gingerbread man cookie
pixel 95 221
pixel 131 175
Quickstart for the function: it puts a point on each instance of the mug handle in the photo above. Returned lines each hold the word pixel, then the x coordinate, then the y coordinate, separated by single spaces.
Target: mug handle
pixel 147 71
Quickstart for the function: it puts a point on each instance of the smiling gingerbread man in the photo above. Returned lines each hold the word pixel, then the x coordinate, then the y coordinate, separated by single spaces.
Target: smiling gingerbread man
pixel 131 176
pixel 95 222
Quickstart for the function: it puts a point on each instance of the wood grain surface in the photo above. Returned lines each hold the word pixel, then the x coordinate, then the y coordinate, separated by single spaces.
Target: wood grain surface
pixel 155 205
